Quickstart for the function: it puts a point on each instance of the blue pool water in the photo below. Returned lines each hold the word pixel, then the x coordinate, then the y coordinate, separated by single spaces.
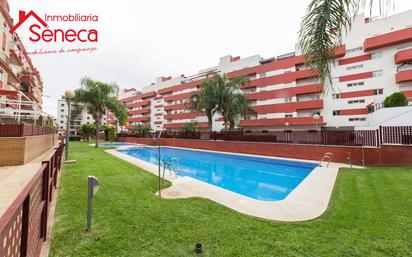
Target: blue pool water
pixel 256 177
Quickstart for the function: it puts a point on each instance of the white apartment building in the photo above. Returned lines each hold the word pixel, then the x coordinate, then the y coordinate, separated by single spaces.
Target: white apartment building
pixel 373 61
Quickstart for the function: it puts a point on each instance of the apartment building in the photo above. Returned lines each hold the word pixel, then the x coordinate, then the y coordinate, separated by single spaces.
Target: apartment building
pixel 78 117
pixel 373 61
pixel 19 78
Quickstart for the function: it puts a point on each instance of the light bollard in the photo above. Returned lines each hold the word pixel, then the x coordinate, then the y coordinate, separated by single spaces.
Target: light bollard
pixel 93 187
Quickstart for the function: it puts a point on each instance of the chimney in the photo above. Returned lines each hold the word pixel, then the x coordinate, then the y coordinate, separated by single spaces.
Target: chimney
pixel 22 15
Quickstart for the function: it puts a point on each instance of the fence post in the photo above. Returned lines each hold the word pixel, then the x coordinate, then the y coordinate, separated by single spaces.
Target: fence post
pixel 25 227
pixel 380 136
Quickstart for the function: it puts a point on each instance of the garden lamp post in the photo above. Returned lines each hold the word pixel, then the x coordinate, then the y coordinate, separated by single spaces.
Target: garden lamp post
pixel 287 131
pixel 316 117
pixel 69 94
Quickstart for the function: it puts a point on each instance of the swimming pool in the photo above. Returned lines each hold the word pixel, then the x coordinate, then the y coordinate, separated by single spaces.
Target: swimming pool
pixel 260 178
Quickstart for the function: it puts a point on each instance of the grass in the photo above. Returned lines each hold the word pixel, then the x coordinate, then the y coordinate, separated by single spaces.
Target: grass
pixel 370 214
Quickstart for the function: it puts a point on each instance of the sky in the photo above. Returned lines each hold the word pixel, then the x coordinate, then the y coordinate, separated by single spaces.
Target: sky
pixel 141 40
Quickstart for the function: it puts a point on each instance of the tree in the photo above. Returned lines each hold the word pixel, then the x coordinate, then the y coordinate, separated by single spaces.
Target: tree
pixel 120 111
pixel 217 95
pixel 322 29
pixel 189 127
pixel 139 129
pixel 97 97
pixel 109 132
pixel 87 130
pixel 395 99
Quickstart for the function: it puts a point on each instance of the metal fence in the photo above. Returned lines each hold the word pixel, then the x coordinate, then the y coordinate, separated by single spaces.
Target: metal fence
pixel 346 138
pixel 396 135
pixel 22 130
pixel 371 138
pixel 23 227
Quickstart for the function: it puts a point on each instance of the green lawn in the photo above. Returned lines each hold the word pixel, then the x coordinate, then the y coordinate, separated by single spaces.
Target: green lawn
pixel 370 214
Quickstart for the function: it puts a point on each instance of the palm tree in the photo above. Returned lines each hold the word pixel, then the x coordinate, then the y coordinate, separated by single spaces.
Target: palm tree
pixel 205 100
pixel 120 111
pixel 97 97
pixel 322 29
pixel 219 94
pixel 232 102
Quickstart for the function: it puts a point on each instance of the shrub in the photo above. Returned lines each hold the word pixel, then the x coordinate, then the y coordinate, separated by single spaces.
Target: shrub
pixel 141 129
pixel 396 99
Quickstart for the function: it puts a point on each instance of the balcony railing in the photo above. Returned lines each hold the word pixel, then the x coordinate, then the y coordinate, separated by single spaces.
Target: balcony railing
pixel 22 130
pixel 23 226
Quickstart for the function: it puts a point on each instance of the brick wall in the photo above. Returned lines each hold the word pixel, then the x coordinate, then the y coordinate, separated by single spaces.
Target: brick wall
pixel 21 150
pixel 386 155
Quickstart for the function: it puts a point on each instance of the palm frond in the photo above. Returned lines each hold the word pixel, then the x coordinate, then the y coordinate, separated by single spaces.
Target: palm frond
pixel 322 29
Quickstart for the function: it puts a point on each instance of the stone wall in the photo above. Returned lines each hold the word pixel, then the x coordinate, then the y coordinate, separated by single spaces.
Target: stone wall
pixel 21 150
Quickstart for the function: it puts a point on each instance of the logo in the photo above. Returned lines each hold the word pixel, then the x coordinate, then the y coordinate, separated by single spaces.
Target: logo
pixel 23 17
pixel 40 31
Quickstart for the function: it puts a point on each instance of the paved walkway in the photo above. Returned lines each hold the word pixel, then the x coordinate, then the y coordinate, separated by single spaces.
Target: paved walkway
pixel 308 201
pixel 14 178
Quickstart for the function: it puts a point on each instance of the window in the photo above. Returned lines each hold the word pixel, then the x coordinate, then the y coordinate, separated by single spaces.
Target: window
pixel 262 75
pixel 356 101
pixel 288 115
pixel 288 99
pixel 354 67
pixel 336 113
pixel 377 55
pixel 378 91
pixel 62 105
pixel 315 113
pixel 357 119
pixel 4 41
pixel 335 96
pixel 61 121
pixel 287 71
pixel 356 84
pixel 62 110
pixel 354 50
pixel 377 73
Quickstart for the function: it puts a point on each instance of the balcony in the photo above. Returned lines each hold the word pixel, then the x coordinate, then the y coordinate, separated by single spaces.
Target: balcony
pixel 184 115
pixel 183 86
pixel 285 92
pixel 177 97
pixel 5 64
pixel 282 78
pixel 175 107
pixel 403 56
pixel 388 39
pixel 289 107
pixel 404 75
pixel 138 104
pixel 139 119
pixel 294 121
pixel 142 111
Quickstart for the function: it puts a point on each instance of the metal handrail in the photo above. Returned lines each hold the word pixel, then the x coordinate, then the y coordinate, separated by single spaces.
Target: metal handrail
pixel 328 156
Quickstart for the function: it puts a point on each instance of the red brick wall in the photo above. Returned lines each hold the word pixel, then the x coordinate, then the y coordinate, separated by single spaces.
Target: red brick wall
pixel 387 155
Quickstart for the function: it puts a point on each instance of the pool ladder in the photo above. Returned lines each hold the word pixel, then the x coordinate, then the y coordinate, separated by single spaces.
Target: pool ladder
pixel 173 165
pixel 326 157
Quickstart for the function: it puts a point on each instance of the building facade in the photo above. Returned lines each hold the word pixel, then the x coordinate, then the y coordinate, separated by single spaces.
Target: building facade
pixel 19 78
pixel 373 61
pixel 78 117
